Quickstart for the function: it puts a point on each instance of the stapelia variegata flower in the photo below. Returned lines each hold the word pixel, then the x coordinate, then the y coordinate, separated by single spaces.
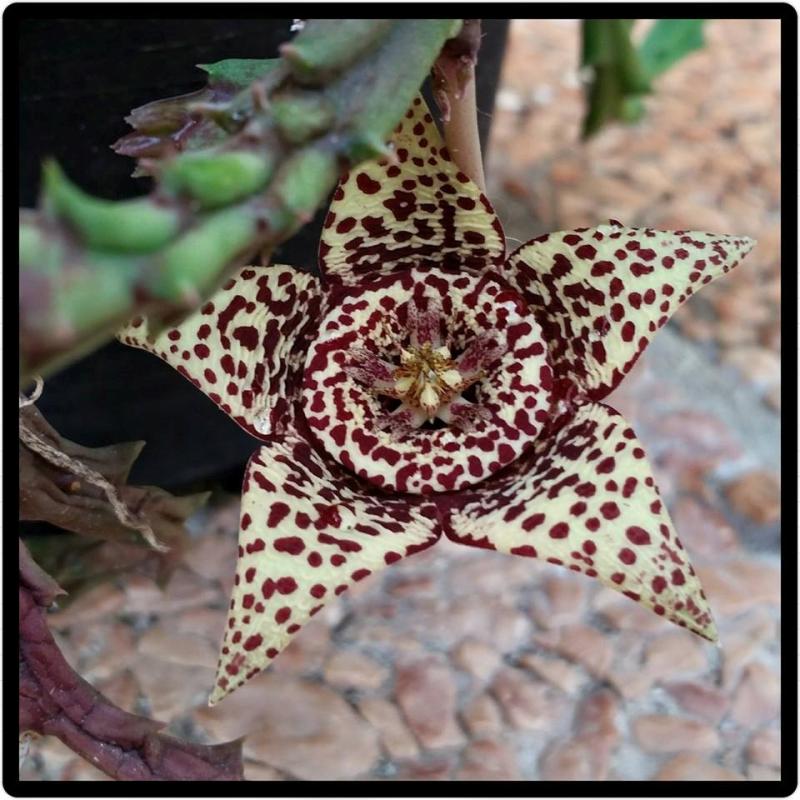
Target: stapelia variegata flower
pixel 429 384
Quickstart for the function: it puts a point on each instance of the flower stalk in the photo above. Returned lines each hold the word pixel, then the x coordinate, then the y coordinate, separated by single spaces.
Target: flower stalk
pixel 454 80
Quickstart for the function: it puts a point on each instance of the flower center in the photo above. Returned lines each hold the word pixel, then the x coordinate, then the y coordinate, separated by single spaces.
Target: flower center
pixel 428 379
pixel 422 338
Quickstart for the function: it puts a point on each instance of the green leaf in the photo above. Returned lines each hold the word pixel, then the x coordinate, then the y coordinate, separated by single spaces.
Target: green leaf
pixel 240 72
pixel 622 73
pixel 619 78
pixel 668 41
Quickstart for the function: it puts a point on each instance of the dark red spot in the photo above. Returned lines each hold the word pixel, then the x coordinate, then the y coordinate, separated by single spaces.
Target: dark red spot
pixel 659 584
pixel 628 330
pixel 286 585
pixel 533 521
pixel 278 512
pixel 606 465
pixel 346 225
pixel 253 641
pixel 289 544
pixel 559 531
pixel 366 184
pixel 637 535
pixel 609 510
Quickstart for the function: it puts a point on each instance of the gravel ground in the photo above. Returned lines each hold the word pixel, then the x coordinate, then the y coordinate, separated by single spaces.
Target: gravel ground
pixel 463 664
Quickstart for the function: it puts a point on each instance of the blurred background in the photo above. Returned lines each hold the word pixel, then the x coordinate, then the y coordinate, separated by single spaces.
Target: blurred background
pixel 465 664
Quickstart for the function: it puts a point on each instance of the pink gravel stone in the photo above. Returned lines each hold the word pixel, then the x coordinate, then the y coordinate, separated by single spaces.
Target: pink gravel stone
pixel 676 653
pixel 488 760
pixel 582 644
pixel 597 717
pixel 573 760
pixel 166 644
pixel 699 699
pixel 426 693
pixel 765 748
pixel 347 669
pixel 527 703
pixel 392 730
pixel 476 658
pixel 660 733
pixel 321 738
pixel 555 671
pixel 758 696
pixel 212 557
pixel 563 603
pixel 482 717
pixel 691 767
pixel 122 689
pixel 253 771
pixel 95 603
pixel 704 531
pixel 737 585
pixel 757 496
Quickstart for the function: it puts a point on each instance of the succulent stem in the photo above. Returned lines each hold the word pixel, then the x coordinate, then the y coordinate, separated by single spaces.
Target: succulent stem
pixel 239 167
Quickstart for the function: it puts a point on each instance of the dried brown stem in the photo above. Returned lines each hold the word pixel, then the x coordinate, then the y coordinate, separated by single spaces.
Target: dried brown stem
pixel 55 700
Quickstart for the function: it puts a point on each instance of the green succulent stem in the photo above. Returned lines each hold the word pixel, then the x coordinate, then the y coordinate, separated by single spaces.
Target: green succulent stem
pixel 266 144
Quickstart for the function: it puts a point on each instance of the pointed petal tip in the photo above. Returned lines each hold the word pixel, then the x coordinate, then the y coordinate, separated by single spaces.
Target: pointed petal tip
pixel 748 243
pixel 218 694
pixel 710 634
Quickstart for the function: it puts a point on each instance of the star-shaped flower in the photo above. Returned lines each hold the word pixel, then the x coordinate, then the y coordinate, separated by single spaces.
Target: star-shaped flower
pixel 429 384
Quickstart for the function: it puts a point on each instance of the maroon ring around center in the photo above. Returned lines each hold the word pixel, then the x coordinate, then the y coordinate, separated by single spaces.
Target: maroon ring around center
pixel 513 397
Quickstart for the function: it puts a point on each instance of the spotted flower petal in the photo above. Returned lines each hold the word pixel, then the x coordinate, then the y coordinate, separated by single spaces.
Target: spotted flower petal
pixel 603 292
pixel 308 531
pixel 245 347
pixel 414 212
pixel 585 497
